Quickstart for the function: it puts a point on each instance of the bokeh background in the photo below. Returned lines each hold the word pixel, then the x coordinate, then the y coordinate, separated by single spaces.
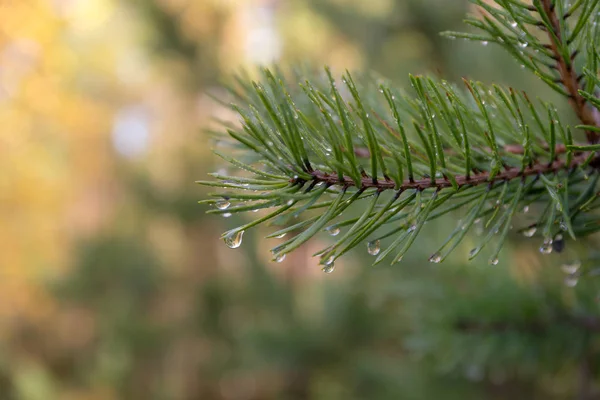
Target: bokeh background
pixel 114 284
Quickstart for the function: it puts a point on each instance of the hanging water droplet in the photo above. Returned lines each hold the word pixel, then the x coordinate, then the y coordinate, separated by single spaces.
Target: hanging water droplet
pixel 558 244
pixel 380 90
pixel 233 240
pixel 523 44
pixel 328 268
pixel 493 261
pixel 412 228
pixel 435 258
pixel 280 258
pixel 563 225
pixel 571 280
pixel 571 268
pixel 280 236
pixel 226 215
pixel 473 252
pixel 546 247
pixel 485 43
pixel 525 209
pixel 333 230
pixel 513 24
pixel 373 247
pixel 529 232
pixel 222 204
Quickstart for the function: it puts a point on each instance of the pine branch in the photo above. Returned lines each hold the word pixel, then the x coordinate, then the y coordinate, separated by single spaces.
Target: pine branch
pixel 325 147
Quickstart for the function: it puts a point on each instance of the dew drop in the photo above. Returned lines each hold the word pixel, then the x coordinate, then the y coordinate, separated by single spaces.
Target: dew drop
pixel 571 280
pixel 513 24
pixel 328 268
pixel 523 44
pixel 571 268
pixel 226 215
pixel 290 202
pixel 546 247
pixel 558 244
pixel 485 43
pixel 233 240
pixel 374 247
pixel 280 236
pixel 563 226
pixel 412 228
pixel 525 209
pixel 333 230
pixel 222 204
pixel 473 252
pixel 435 258
pixel 280 258
pixel 493 261
pixel 529 232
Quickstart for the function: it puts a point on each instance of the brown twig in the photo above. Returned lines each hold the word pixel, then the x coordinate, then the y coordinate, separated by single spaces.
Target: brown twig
pixel 568 76
pixel 441 183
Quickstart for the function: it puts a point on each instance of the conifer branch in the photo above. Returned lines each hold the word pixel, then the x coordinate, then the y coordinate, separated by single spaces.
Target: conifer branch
pixel 320 149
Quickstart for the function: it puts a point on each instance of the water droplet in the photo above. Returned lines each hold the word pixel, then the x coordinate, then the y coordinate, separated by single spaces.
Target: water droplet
pixel 233 240
pixel 222 204
pixel 435 258
pixel 529 232
pixel 333 230
pixel 380 90
pixel 513 24
pixel 328 268
pixel 571 268
pixel 290 202
pixel 280 258
pixel 493 261
pixel 523 44
pixel 525 209
pixel 473 252
pixel 373 247
pixel 412 228
pixel 226 215
pixel 571 280
pixel 546 247
pixel 558 244
pixel 563 226
pixel 280 236
pixel 485 43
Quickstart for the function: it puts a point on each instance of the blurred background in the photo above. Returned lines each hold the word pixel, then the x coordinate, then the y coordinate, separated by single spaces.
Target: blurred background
pixel 114 284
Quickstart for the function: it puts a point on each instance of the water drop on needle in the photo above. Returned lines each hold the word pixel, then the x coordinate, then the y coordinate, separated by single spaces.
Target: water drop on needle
pixel 233 240
pixel 529 232
pixel 546 247
pixel 473 252
pixel 280 236
pixel 222 204
pixel 333 230
pixel 435 258
pixel 226 215
pixel 493 261
pixel 280 258
pixel 373 247
pixel 328 268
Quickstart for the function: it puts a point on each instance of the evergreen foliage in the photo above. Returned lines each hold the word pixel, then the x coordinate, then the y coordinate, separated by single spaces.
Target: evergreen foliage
pixel 405 158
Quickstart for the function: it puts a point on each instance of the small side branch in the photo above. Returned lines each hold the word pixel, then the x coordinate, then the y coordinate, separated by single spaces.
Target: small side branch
pixel 568 76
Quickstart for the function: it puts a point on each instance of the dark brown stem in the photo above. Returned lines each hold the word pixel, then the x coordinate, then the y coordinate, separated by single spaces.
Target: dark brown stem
pixel 568 76
pixel 441 183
